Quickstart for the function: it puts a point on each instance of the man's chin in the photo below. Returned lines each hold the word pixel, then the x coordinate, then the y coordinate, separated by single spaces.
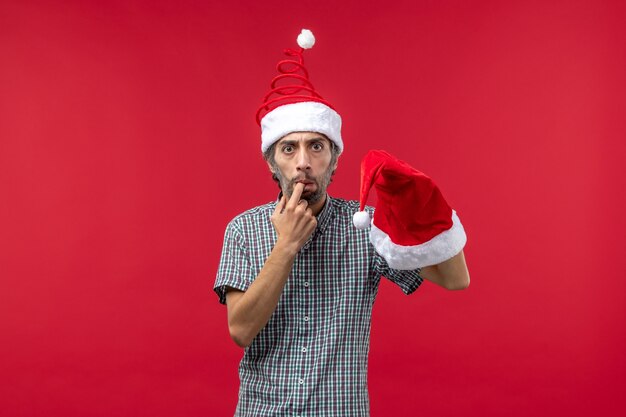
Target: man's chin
pixel 307 193
pixel 314 196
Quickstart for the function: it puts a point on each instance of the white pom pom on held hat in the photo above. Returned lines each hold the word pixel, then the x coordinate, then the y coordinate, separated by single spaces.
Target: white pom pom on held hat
pixel 306 40
pixel 293 104
pixel 361 219
pixel 413 225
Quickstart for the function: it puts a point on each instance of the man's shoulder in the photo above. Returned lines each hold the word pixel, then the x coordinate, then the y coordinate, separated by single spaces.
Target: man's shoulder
pixel 255 211
pixel 253 215
pixel 342 204
pixel 348 206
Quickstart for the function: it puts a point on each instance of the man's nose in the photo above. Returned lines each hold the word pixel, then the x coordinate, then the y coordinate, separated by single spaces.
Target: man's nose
pixel 303 161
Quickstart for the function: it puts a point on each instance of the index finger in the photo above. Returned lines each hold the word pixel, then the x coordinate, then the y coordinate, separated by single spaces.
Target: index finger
pixel 295 196
pixel 280 206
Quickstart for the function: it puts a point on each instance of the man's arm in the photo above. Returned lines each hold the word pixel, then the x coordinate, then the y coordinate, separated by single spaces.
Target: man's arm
pixel 451 274
pixel 249 311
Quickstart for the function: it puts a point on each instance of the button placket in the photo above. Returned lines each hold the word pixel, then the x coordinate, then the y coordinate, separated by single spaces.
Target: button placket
pixel 302 272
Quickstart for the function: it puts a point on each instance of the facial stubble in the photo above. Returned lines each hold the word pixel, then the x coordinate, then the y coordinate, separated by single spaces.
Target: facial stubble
pixel 287 185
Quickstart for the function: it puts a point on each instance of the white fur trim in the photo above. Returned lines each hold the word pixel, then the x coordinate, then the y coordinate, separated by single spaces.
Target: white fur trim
pixel 361 219
pixel 307 116
pixel 306 40
pixel 440 248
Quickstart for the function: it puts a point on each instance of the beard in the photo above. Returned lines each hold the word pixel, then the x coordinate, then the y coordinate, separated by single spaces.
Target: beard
pixel 311 197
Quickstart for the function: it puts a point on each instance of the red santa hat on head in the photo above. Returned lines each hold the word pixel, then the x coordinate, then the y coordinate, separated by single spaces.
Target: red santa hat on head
pixel 413 225
pixel 293 104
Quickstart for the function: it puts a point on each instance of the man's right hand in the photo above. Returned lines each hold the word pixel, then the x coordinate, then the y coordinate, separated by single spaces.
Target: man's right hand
pixel 293 220
pixel 249 311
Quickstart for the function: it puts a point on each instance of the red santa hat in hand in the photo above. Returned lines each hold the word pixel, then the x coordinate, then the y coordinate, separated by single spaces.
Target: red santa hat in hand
pixel 413 225
pixel 293 104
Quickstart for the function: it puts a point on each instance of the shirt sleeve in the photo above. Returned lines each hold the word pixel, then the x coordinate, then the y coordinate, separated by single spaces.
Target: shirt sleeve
pixel 234 269
pixel 408 281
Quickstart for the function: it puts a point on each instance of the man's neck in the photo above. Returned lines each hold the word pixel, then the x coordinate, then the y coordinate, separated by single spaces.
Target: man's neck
pixel 318 206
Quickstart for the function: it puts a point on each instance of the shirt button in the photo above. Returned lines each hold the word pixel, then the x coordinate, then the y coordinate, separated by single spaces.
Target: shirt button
pixel 303 350
pixel 301 381
pixel 306 283
pixel 306 318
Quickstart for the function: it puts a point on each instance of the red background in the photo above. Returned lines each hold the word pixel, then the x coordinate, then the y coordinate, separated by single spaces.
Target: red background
pixel 127 142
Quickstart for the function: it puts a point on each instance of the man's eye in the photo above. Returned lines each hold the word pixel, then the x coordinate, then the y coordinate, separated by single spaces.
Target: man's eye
pixel 287 149
pixel 317 147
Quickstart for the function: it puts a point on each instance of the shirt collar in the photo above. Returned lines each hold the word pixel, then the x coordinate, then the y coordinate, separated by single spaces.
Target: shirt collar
pixel 324 217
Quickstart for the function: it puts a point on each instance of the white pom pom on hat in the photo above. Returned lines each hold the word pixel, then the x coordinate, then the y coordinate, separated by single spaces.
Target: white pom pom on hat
pixel 361 219
pixel 306 40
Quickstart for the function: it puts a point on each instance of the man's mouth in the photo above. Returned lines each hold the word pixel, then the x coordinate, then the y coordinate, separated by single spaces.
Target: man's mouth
pixel 308 185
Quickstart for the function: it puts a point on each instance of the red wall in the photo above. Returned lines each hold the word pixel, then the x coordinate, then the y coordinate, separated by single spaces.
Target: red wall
pixel 127 142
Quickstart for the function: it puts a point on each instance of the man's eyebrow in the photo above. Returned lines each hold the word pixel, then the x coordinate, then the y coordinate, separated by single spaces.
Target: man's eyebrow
pixel 318 139
pixel 292 142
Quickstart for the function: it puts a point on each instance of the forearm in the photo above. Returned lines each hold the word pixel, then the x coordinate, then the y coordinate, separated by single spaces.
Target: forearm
pixel 451 274
pixel 249 312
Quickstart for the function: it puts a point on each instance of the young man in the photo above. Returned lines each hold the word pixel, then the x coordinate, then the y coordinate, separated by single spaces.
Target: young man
pixel 299 279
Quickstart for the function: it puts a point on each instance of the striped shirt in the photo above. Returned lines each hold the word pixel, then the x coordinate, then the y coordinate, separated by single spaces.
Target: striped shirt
pixel 311 357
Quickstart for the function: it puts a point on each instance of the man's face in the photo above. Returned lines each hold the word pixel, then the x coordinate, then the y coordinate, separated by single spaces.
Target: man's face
pixel 304 157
